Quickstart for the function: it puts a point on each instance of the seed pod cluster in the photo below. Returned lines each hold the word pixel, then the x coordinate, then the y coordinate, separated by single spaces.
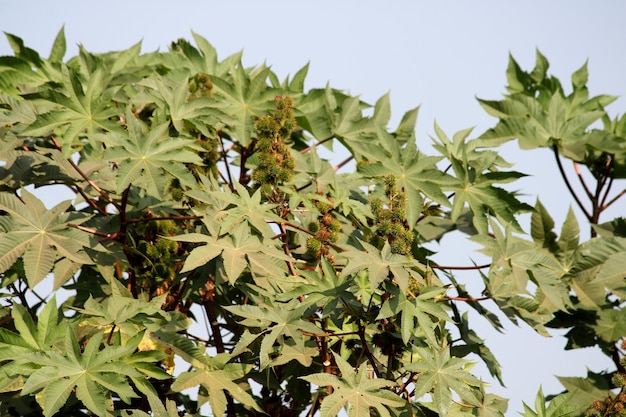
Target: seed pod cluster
pixel 612 406
pixel 275 164
pixel 157 265
pixel 390 219
pixel 326 230
pixel 201 85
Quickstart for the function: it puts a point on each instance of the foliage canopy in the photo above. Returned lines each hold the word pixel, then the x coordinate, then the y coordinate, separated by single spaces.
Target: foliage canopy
pixel 202 195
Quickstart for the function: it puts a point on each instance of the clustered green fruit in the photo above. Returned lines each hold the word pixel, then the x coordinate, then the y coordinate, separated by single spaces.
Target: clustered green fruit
pixel 275 164
pixel 326 230
pixel 157 264
pixel 201 85
pixel 390 219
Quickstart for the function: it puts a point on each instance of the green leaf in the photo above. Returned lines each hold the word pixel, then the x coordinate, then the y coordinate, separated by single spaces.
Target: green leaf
pixel 218 378
pixel 586 390
pixel 415 173
pixel 541 226
pixel 381 264
pixel 580 77
pixel 356 391
pixel 39 236
pixel 151 159
pixel 595 267
pixel 484 199
pixel 476 345
pixel 439 373
pixel 236 252
pixel 611 325
pixel 245 98
pixel 559 406
pixel 246 208
pixel 424 309
pixel 58 47
pixel 326 289
pixel 94 374
pixel 81 111
pixel 278 323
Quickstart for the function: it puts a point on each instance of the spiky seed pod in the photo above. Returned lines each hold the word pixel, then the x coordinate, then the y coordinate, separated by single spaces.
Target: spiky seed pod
pixel 273 131
pixel 201 85
pixel 313 245
pixel 326 228
pixel 618 380
pixel 390 219
pixel 327 219
pixel 335 225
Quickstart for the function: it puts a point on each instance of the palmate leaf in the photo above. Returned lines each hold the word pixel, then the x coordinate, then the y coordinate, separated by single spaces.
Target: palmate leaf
pixel 173 97
pixel 586 390
pixel 25 68
pixel 81 110
pixel 31 337
pixel 560 406
pixel 325 289
pixel 476 345
pixel 356 391
pixel 129 316
pixel 300 350
pixel 438 373
pixel 517 262
pixel 246 208
pixel 93 374
pixel 490 406
pixel 597 266
pixel 40 235
pixel 236 252
pixel 278 323
pixel 381 264
pixel 538 112
pixel 422 309
pixel 151 159
pixel 202 59
pixel 415 172
pixel 243 98
pixel 475 173
pixel 477 190
pixel 611 325
pixel 218 377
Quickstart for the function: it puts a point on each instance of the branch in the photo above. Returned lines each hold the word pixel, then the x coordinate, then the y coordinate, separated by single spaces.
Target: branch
pixel 24 301
pixel 89 200
pixel 132 279
pixel 567 183
pixel 606 195
pixel 461 268
pixel 470 299
pixel 149 219
pixel 229 180
pixel 614 199
pixel 342 163
pixel 86 178
pixel 94 231
pixel 366 350
pixel 582 180
pixel 305 150
pixel 285 241
pixel 208 302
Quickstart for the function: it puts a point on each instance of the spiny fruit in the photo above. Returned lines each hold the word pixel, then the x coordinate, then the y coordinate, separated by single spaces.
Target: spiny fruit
pixel 390 219
pixel 276 164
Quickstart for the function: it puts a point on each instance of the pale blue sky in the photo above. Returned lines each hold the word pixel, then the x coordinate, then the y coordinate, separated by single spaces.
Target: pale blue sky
pixel 440 55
